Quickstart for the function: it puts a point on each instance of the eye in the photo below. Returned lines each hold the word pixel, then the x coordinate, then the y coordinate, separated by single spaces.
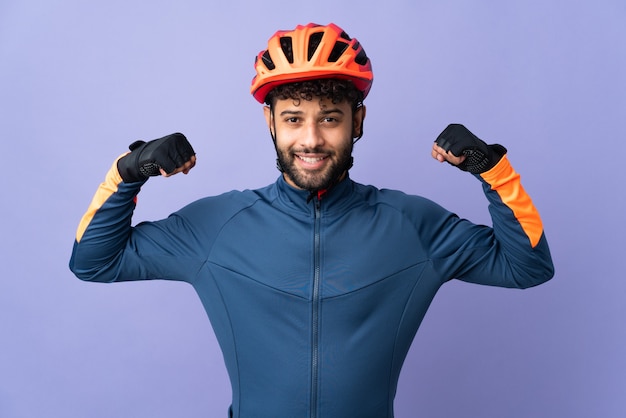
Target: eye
pixel 331 119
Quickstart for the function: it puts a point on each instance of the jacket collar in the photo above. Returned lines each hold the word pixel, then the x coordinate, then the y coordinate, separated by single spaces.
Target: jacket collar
pixel 335 198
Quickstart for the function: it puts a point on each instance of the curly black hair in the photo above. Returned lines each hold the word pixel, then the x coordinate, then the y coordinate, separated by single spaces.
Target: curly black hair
pixel 336 90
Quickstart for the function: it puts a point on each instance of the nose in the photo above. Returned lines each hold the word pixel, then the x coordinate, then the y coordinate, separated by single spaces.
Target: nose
pixel 312 136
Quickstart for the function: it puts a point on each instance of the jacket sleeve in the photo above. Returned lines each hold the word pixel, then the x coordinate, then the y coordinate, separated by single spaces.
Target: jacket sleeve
pixel 513 252
pixel 108 248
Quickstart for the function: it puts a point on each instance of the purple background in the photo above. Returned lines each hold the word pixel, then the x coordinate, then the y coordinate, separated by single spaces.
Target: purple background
pixel 81 80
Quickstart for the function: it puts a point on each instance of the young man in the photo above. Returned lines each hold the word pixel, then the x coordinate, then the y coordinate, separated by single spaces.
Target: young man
pixel 315 285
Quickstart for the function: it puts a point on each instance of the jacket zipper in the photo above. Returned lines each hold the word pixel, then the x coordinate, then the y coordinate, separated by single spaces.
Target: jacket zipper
pixel 315 313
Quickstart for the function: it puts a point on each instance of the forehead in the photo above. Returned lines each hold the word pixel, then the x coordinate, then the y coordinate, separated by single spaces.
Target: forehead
pixel 316 104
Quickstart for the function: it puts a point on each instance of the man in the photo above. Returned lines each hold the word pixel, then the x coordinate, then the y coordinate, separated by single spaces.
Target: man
pixel 315 285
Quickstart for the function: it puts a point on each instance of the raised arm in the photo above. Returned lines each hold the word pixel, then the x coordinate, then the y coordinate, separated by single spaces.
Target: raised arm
pixel 514 252
pixel 105 229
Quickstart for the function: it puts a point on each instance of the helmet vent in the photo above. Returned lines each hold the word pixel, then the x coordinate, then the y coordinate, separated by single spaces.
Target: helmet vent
pixel 314 42
pixel 361 58
pixel 267 60
pixel 338 49
pixel 345 36
pixel 286 45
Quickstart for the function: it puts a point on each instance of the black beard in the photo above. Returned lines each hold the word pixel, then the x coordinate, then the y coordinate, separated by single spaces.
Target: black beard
pixel 314 181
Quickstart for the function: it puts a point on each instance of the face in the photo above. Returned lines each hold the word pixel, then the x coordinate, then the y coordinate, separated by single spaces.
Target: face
pixel 313 140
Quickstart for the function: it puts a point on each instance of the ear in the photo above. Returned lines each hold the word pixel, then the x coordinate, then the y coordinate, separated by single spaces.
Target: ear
pixel 357 121
pixel 267 112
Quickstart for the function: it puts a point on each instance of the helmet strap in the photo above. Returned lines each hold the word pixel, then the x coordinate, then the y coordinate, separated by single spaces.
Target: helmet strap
pixel 358 136
pixel 272 130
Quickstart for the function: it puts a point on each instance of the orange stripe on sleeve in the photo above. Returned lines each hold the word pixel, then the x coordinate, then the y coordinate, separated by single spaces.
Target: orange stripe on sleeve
pixel 505 181
pixel 105 190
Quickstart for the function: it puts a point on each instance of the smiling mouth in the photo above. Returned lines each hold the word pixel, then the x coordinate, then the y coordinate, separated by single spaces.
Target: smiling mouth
pixel 310 160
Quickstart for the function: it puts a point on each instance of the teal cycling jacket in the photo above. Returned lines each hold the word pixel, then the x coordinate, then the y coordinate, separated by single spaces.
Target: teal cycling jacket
pixel 315 301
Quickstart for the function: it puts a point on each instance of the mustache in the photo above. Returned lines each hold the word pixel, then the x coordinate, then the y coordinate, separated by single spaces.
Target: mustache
pixel 316 150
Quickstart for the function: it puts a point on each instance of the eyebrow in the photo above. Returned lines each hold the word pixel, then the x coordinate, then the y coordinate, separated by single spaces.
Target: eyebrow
pixel 323 112
pixel 291 112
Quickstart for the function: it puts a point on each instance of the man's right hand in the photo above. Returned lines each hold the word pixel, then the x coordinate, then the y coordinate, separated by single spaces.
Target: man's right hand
pixel 164 156
pixel 461 148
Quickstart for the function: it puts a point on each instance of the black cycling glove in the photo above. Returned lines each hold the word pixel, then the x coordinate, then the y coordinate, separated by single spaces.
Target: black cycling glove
pixel 147 158
pixel 479 157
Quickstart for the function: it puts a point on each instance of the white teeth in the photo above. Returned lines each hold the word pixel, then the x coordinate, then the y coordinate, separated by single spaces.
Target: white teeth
pixel 310 160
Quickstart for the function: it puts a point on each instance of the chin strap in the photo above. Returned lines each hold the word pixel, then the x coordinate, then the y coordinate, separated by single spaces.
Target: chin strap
pixel 278 166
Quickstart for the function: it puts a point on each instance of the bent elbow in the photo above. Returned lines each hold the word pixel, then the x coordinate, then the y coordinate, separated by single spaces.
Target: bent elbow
pixel 88 269
pixel 541 273
pixel 541 268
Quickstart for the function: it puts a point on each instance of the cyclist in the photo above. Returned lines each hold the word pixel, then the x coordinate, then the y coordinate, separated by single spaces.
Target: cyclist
pixel 315 285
